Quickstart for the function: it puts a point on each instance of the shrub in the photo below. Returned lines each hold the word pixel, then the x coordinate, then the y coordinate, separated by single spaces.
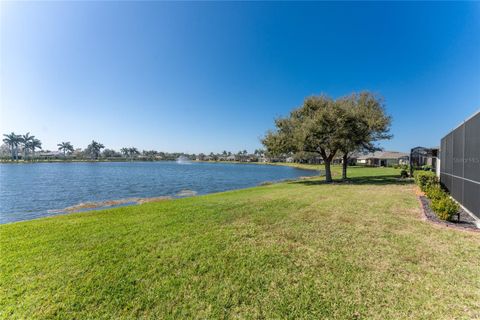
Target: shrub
pixel 425 179
pixel 435 192
pixel 445 208
pixel 403 173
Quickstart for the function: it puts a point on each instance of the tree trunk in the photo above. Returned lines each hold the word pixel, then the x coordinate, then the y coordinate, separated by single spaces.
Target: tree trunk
pixel 328 171
pixel 327 159
pixel 344 166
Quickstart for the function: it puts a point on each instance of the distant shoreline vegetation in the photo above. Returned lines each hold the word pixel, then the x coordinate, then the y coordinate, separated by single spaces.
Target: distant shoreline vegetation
pixel 297 165
pixel 323 130
pixel 26 148
pixel 6 161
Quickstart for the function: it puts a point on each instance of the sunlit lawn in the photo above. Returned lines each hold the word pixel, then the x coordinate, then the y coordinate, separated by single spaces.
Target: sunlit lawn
pixel 290 250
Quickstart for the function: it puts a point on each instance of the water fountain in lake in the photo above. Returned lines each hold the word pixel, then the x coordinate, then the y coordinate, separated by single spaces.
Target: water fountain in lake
pixel 183 160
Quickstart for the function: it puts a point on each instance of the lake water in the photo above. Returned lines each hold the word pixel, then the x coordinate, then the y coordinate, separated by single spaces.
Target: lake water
pixel 29 191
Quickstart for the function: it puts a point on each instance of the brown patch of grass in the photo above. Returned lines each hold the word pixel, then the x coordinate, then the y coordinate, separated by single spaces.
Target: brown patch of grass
pixel 154 199
pixel 110 203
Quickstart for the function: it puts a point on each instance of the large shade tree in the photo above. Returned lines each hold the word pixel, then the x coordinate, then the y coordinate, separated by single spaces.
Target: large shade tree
pixel 327 127
pixel 364 122
pixel 313 127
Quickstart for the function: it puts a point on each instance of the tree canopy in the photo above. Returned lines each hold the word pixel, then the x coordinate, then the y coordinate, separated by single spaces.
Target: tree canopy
pixel 94 148
pixel 327 127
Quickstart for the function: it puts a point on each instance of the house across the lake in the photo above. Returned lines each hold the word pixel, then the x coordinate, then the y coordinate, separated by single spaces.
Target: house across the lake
pixel 49 154
pixel 383 158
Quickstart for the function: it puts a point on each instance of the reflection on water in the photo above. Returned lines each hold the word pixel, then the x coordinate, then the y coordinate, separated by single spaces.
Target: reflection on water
pixel 29 191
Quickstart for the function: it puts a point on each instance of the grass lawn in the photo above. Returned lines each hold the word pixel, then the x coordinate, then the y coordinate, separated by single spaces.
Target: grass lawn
pixel 290 250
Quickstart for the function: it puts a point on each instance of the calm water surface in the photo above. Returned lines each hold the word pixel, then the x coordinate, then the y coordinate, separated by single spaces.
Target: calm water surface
pixel 29 191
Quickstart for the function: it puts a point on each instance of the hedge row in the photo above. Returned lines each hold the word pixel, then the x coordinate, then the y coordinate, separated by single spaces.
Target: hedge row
pixel 443 206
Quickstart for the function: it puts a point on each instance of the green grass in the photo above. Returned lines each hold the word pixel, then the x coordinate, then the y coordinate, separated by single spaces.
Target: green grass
pixel 290 250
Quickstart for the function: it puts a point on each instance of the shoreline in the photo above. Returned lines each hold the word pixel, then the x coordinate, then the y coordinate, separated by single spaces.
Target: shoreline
pixel 89 206
pixel 92 206
pixel 314 167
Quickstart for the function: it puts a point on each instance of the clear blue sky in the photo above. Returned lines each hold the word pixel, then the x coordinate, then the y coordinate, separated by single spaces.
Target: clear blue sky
pixel 201 77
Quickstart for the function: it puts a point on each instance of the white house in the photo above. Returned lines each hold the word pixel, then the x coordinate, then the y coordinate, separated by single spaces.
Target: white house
pixel 383 158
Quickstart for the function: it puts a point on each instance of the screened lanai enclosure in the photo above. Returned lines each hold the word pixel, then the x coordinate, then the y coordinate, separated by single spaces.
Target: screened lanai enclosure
pixel 460 164
pixel 421 156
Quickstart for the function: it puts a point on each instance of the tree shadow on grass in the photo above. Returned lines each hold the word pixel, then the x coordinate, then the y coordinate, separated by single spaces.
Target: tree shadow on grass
pixel 363 180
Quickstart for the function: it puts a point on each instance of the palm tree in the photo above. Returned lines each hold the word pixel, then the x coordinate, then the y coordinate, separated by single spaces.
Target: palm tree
pixel 125 152
pixel 25 141
pixel 12 140
pixel 94 149
pixel 150 154
pixel 65 146
pixel 34 144
pixel 133 152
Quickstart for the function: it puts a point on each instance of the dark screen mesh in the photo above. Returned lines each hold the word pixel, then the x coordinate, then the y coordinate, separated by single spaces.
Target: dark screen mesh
pixel 472 148
pixel 458 152
pixel 460 164
pixel 443 146
pixel 446 180
pixel 456 189
pixel 449 154
pixel 471 197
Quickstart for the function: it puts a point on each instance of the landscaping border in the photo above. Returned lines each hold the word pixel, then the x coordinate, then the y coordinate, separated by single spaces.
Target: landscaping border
pixel 430 216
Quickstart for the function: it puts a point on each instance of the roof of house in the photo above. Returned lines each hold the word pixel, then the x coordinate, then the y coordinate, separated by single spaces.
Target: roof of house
pixel 50 153
pixel 383 155
pixel 426 148
pixel 357 155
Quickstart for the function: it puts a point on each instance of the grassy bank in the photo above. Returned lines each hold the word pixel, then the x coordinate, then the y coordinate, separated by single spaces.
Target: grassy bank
pixel 289 250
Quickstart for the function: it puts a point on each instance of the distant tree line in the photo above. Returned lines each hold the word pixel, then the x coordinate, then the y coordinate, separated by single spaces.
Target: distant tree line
pixel 25 143
pixel 28 148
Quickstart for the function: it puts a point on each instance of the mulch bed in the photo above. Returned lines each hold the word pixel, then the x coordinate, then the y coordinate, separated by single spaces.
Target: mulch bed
pixel 463 221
